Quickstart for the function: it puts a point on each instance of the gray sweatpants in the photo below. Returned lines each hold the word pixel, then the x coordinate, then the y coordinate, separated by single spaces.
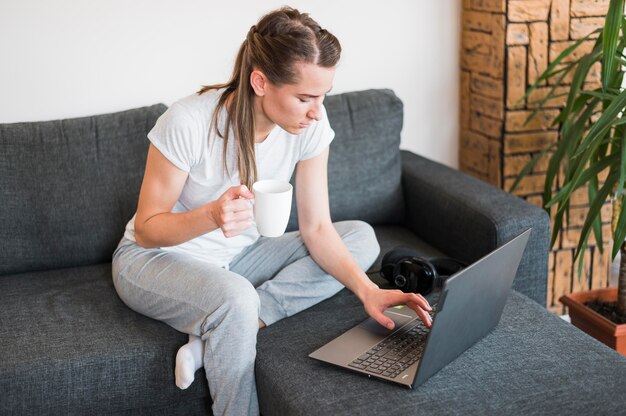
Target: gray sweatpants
pixel 272 279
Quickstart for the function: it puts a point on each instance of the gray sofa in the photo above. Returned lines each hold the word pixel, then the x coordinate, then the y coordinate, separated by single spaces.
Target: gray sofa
pixel 68 345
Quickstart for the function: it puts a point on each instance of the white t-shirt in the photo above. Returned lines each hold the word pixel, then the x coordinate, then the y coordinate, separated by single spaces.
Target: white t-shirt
pixel 183 134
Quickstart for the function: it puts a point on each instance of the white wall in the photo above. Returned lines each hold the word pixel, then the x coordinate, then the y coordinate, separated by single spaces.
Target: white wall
pixel 69 58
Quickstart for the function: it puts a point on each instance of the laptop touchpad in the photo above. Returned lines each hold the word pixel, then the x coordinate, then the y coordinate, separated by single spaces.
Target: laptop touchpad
pixel 374 327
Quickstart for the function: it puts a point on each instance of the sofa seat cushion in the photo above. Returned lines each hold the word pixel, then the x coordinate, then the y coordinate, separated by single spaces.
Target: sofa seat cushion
pixel 68 340
pixel 70 346
pixel 532 363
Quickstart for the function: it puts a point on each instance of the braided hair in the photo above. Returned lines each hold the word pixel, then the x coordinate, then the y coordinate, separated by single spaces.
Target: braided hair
pixel 280 40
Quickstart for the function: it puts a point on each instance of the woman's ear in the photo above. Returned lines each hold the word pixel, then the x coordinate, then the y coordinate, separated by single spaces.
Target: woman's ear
pixel 258 81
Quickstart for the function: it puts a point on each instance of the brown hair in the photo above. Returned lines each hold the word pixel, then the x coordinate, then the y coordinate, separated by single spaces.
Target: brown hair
pixel 274 45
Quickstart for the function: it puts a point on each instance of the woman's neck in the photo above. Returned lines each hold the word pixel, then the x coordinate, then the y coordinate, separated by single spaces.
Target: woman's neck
pixel 262 125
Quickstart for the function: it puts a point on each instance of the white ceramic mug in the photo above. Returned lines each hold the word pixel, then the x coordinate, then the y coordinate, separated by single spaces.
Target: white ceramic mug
pixel 272 206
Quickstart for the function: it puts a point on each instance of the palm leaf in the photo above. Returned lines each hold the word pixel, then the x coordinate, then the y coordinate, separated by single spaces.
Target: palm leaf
pixel 558 224
pixel 596 224
pixel 600 127
pixel 530 165
pixel 566 146
pixel 593 170
pixel 580 263
pixel 581 72
pixel 549 95
pixel 619 234
pixel 611 35
pixel 592 131
pixel 548 73
pixel 574 131
pixel 580 104
pixel 595 207
pixel 622 175
pixel 620 121
pixel 601 95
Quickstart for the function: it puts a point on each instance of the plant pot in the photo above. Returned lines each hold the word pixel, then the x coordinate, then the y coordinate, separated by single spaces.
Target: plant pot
pixel 591 322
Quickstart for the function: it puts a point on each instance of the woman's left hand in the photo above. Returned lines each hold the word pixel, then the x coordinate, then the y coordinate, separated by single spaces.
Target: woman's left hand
pixel 376 300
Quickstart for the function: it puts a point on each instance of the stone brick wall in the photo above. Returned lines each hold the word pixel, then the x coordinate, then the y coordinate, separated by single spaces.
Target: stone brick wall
pixel 506 45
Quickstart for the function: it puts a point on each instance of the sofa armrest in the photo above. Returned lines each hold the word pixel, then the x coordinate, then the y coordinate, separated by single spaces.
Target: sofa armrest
pixel 467 218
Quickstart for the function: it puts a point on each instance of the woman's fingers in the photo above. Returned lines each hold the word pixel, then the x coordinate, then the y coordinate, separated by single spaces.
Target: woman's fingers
pixel 382 319
pixel 422 313
pixel 419 304
pixel 401 298
pixel 415 301
pixel 236 192
pixel 238 205
pixel 420 300
pixel 235 214
pixel 239 216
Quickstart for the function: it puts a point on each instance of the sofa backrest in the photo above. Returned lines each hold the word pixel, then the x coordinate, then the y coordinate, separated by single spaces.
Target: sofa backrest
pixel 364 167
pixel 68 187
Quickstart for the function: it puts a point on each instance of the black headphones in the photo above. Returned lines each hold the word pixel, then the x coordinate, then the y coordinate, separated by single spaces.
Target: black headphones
pixel 405 270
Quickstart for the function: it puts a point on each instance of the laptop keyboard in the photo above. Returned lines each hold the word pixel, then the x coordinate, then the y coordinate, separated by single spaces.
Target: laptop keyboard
pixel 395 353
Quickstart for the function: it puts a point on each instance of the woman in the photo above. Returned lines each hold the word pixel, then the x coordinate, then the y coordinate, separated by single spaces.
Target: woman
pixel 191 258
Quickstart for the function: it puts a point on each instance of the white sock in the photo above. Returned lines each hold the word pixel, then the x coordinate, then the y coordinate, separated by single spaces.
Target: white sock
pixel 188 361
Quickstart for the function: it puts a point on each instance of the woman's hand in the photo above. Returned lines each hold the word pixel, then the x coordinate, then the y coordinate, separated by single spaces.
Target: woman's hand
pixel 377 300
pixel 232 212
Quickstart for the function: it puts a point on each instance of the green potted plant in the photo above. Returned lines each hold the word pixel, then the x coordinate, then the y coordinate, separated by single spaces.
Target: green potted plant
pixel 591 152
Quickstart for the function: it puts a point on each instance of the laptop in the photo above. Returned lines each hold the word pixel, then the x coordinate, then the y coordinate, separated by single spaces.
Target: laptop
pixel 469 306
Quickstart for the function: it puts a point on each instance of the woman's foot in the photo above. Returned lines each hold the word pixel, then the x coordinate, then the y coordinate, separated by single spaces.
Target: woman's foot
pixel 188 361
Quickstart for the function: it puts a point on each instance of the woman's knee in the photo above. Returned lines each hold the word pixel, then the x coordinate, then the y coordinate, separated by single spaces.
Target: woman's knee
pixel 240 304
pixel 247 299
pixel 361 240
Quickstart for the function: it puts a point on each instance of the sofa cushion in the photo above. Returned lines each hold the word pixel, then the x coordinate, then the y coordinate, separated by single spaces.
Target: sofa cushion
pixel 68 187
pixel 70 346
pixel 533 363
pixel 364 166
